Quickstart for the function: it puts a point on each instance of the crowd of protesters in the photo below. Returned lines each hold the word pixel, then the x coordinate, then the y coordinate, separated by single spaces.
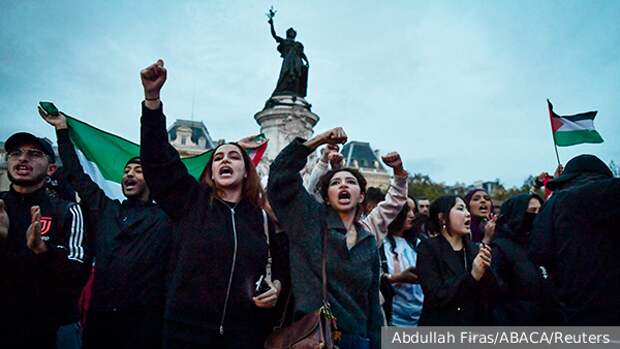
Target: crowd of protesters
pixel 220 261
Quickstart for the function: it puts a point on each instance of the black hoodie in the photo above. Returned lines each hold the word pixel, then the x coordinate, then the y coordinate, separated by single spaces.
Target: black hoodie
pixel 575 238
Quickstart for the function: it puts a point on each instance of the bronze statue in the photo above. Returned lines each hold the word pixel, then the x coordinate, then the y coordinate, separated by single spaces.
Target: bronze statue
pixel 293 78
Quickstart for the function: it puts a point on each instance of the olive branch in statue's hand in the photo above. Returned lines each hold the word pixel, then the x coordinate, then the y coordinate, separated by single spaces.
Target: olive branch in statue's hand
pixel 271 14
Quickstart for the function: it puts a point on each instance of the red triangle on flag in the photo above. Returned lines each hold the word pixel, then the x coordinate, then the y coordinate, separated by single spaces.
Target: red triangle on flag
pixel 556 123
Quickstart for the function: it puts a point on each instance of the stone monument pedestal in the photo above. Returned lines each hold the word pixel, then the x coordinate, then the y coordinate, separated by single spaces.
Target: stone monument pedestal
pixel 284 118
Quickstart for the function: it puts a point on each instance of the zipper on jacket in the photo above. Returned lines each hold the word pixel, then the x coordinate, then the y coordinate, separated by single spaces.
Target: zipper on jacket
pixel 232 269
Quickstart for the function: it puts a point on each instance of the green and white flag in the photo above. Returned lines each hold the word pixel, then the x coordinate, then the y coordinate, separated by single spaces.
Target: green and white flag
pixel 103 156
pixel 573 129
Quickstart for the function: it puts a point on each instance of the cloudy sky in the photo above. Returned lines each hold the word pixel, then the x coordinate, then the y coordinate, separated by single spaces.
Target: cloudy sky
pixel 458 87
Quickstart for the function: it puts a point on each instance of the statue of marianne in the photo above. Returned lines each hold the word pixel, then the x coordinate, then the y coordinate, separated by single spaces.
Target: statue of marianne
pixel 293 79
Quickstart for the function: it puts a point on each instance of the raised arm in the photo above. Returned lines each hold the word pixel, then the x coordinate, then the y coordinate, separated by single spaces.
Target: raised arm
pixel 169 182
pixel 386 211
pixel 273 31
pixel 90 194
pixel 291 202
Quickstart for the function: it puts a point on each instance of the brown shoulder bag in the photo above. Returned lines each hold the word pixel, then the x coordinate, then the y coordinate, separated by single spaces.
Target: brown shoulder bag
pixel 314 330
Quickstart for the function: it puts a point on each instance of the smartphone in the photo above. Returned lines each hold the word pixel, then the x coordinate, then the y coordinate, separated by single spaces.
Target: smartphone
pixel 261 286
pixel 49 108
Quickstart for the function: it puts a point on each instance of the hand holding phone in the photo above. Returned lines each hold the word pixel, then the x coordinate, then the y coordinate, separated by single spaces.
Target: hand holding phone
pixel 261 286
pixel 52 115
pixel 49 108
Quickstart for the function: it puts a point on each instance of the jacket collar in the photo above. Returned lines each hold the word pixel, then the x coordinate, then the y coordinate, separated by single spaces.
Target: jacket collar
pixel 131 203
pixel 335 223
pixel 29 196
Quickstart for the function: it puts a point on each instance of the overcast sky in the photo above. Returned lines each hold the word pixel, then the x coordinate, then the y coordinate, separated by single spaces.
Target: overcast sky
pixel 458 87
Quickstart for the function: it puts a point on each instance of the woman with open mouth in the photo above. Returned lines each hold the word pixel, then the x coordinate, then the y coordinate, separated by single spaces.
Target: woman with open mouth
pixel 454 271
pixel 481 207
pixel 216 296
pixel 352 258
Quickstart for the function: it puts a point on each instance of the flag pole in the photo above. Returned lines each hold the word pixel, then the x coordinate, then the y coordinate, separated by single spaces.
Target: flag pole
pixel 555 144
pixel 556 150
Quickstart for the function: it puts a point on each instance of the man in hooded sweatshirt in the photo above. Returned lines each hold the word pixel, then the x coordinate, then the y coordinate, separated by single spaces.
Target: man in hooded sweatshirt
pixel 574 243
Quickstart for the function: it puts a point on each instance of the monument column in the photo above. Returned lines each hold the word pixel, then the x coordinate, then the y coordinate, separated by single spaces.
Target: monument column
pixel 283 119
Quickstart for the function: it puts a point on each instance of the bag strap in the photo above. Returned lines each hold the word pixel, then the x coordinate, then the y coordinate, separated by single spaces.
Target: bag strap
pixel 324 265
pixel 383 258
pixel 269 260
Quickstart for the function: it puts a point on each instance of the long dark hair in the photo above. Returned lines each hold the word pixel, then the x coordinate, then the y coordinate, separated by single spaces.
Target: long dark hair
pixel 323 184
pixel 397 225
pixel 441 205
pixel 251 190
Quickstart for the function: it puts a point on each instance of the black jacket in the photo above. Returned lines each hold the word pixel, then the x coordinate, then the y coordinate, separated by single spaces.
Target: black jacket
pixel 205 233
pixel 41 289
pixel 452 297
pixel 132 241
pixel 132 249
pixel 519 300
pixel 575 238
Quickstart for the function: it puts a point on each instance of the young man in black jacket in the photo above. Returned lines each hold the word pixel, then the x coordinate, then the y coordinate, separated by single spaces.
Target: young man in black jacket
pixel 132 243
pixel 43 258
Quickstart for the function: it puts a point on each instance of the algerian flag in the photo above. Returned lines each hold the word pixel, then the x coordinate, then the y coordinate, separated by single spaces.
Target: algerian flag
pixel 103 156
pixel 573 129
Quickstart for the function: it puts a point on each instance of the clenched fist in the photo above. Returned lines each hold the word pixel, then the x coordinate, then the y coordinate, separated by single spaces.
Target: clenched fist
pixel 153 78
pixel 394 161
pixel 333 136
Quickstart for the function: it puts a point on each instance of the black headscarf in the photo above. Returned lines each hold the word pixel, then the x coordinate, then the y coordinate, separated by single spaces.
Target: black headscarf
pixel 515 222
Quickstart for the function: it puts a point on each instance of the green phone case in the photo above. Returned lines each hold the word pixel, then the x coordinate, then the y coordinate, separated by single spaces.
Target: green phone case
pixel 49 107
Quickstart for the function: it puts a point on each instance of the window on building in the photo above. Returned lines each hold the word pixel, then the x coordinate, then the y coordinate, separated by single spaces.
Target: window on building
pixel 183 140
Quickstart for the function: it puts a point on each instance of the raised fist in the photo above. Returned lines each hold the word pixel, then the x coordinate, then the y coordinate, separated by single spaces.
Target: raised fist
pixel 153 78
pixel 335 159
pixel 333 136
pixel 328 150
pixel 394 161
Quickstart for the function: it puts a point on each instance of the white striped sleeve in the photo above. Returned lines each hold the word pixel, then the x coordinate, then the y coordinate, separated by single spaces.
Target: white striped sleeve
pixel 76 235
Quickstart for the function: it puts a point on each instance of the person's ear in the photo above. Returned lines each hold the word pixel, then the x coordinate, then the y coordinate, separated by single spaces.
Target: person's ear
pixel 51 169
pixel 442 218
pixel 362 197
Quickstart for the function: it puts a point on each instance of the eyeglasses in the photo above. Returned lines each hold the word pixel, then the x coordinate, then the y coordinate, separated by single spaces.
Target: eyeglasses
pixel 31 154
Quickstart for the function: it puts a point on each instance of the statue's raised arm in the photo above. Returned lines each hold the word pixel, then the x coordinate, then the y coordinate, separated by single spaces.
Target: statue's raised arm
pixel 270 15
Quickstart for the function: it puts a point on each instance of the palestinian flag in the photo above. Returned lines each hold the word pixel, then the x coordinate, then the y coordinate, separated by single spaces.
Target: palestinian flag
pixel 573 129
pixel 103 156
